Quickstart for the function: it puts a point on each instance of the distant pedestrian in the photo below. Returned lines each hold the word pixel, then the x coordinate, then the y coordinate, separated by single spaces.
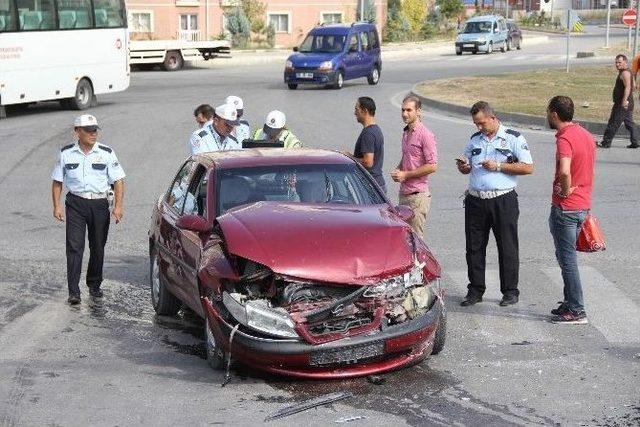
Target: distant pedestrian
pixel 203 114
pixel 242 131
pixel 622 110
pixel 570 202
pixel 275 130
pixel 369 149
pixel 419 160
pixel 216 134
pixel 88 169
pixel 494 156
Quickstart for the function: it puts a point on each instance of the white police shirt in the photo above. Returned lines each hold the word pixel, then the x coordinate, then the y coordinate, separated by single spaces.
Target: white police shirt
pixel 92 172
pixel 242 131
pixel 507 146
pixel 206 139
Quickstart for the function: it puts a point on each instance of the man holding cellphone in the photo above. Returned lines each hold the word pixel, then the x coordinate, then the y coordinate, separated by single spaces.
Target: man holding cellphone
pixel 493 158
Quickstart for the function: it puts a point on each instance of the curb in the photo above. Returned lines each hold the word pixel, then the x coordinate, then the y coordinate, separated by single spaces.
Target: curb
pixel 534 122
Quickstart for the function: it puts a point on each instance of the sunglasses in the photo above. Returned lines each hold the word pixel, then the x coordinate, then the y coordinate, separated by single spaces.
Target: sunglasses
pixel 90 129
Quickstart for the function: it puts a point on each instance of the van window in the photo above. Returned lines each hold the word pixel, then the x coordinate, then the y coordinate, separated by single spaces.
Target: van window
pixel 373 39
pixel 7 16
pixel 353 43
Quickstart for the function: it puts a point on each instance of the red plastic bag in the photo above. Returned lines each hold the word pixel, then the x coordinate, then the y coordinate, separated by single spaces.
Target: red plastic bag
pixel 591 237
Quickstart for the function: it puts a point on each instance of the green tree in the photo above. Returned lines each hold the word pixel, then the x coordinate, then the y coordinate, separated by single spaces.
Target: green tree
pixel 239 27
pixel 415 11
pixel 450 8
pixel 397 27
pixel 254 11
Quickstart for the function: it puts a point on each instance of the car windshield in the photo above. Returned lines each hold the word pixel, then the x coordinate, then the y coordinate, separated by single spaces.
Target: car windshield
pixel 477 27
pixel 322 183
pixel 323 43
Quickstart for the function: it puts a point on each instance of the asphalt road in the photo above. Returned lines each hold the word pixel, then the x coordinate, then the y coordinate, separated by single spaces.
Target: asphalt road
pixel 116 363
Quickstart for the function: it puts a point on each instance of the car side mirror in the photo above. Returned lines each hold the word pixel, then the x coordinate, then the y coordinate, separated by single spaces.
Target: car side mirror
pixel 353 49
pixel 295 48
pixel 193 223
pixel 404 212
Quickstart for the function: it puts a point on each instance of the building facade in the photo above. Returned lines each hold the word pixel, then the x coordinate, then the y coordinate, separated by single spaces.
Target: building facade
pixel 204 19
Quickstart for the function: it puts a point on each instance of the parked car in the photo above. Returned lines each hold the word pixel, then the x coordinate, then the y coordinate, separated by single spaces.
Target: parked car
pixel 514 37
pixel 298 264
pixel 482 34
pixel 331 54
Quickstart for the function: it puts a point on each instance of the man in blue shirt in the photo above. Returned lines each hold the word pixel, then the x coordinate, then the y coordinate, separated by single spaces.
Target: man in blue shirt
pixel 88 169
pixel 494 156
pixel 216 135
pixel 369 149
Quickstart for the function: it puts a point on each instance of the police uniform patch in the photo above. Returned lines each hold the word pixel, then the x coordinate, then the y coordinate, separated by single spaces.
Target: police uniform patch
pixel 503 144
pixel 105 148
pixel 525 147
pixel 513 132
pixel 66 147
pixel 202 133
pixel 115 164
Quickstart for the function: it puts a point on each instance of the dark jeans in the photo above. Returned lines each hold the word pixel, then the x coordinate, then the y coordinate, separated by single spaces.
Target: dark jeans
pixel 619 115
pixel 83 215
pixel 499 214
pixel 564 227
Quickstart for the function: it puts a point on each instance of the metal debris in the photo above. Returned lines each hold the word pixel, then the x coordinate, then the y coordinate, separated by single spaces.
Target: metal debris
pixel 376 379
pixel 227 374
pixel 310 403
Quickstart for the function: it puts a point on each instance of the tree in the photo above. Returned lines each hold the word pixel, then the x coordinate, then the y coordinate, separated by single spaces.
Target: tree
pixel 450 8
pixel 415 11
pixel 254 10
pixel 239 27
pixel 397 27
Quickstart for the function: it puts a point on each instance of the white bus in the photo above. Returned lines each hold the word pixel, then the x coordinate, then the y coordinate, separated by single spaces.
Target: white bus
pixel 66 50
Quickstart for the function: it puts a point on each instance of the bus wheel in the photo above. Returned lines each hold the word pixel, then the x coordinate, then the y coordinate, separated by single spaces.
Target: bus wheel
pixel 83 98
pixel 173 61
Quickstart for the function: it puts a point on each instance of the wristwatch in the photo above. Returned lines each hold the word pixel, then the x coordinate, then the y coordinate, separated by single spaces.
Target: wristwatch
pixel 498 167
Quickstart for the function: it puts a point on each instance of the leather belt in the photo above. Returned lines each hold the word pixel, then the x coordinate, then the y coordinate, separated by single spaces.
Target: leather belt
pixel 90 195
pixel 490 194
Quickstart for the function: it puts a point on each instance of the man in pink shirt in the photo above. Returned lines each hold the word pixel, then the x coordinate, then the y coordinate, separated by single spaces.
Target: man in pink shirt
pixel 570 202
pixel 419 159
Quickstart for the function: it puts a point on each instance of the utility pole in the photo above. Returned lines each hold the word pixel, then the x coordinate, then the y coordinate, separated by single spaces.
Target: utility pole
pixel 362 9
pixel 606 41
pixel 635 38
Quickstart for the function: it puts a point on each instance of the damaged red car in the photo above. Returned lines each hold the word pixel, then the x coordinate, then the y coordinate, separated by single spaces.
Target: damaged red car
pixel 298 264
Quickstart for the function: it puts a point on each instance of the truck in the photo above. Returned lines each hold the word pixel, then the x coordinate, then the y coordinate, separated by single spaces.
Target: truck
pixel 172 54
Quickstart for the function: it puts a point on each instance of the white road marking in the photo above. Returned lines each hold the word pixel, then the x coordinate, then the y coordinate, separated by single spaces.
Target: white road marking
pixel 608 309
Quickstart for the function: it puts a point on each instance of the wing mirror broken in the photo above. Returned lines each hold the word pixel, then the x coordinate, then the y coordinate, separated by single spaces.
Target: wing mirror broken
pixel 193 223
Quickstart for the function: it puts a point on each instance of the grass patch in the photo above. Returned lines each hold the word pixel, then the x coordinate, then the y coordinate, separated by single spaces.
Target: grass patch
pixel 528 92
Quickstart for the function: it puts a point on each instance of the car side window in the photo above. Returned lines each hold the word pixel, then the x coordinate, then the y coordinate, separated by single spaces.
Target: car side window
pixel 353 43
pixel 373 39
pixel 364 41
pixel 177 193
pixel 196 198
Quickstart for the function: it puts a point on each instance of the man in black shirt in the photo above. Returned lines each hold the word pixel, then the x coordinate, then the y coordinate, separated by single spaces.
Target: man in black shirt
pixel 369 150
pixel 622 110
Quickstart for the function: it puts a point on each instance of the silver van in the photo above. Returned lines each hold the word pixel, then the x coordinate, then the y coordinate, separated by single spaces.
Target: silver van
pixel 483 34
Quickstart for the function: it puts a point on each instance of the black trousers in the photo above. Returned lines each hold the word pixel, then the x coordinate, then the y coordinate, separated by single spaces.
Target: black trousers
pixel 616 118
pixel 499 214
pixel 82 215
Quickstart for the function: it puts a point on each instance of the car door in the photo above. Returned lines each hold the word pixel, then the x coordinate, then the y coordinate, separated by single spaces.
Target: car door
pixel 352 58
pixel 169 242
pixel 504 32
pixel 366 54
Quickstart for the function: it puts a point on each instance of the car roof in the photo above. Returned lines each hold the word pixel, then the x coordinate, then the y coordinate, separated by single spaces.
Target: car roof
pixel 340 28
pixel 484 18
pixel 249 157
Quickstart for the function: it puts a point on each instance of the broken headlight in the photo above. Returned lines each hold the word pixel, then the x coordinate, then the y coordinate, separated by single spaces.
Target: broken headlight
pixel 260 316
pixel 396 286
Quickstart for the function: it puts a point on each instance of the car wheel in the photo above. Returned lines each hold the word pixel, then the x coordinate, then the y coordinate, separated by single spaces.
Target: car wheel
pixel 490 48
pixel 215 355
pixel 173 61
pixel 339 80
pixel 474 52
pixel 163 301
pixel 458 51
pixel 84 96
pixel 508 44
pixel 374 77
pixel 292 86
pixel 441 334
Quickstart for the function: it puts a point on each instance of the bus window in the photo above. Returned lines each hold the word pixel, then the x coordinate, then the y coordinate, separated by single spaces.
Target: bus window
pixel 7 16
pixel 74 14
pixel 35 15
pixel 109 13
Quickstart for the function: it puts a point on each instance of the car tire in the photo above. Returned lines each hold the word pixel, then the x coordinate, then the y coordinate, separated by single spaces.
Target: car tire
pixel 292 86
pixel 509 44
pixel 65 104
pixel 458 52
pixel 474 52
pixel 374 76
pixel 83 98
pixel 339 80
pixel 441 334
pixel 215 355
pixel 164 302
pixel 173 61
pixel 490 48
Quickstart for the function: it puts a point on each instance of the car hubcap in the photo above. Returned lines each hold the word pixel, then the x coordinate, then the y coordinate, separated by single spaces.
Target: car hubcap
pixel 376 75
pixel 339 80
pixel 155 280
pixel 82 96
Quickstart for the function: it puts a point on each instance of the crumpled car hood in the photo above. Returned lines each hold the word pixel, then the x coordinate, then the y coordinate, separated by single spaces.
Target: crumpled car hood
pixel 336 244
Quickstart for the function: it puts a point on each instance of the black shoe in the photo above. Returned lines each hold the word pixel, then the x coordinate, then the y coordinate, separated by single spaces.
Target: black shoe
pixel 471 300
pixel 601 144
pixel 571 317
pixel 633 146
pixel 73 299
pixel 562 309
pixel 95 292
pixel 508 300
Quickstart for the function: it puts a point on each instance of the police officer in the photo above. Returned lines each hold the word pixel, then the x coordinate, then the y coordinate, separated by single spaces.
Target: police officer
pixel 494 156
pixel 203 114
pixel 274 130
pixel 242 131
pixel 87 168
pixel 216 136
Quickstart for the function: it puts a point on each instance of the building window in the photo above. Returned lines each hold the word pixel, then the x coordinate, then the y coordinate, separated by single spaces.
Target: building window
pixel 189 27
pixel 280 22
pixel 331 17
pixel 141 21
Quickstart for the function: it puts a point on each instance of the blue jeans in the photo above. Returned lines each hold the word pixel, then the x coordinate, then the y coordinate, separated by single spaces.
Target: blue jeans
pixel 564 227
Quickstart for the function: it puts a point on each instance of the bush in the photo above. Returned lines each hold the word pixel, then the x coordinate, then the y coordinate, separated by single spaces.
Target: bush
pixel 239 27
pixel 397 28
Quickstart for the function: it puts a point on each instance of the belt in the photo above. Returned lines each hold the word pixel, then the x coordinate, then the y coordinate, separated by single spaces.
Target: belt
pixel 90 195
pixel 491 194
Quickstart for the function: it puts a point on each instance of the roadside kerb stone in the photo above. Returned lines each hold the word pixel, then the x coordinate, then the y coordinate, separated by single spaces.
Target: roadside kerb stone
pixel 595 128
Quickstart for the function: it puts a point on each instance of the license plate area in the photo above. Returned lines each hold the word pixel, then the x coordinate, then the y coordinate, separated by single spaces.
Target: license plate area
pixel 304 75
pixel 347 355
pixel 468 45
